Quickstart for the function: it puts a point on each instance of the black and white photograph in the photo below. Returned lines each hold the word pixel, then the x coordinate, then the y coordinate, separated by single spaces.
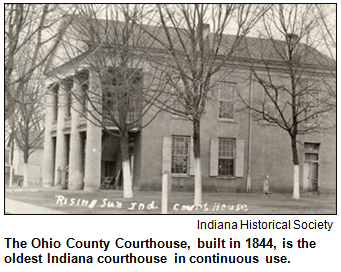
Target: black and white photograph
pixel 170 109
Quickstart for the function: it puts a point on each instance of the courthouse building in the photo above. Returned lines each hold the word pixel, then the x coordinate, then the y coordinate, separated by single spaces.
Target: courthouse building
pixel 235 146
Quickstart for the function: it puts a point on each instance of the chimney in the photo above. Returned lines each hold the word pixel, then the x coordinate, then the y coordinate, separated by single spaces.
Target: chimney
pixel 205 30
pixel 293 38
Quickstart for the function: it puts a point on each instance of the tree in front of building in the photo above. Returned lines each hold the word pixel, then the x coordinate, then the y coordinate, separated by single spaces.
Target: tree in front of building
pixel 32 31
pixel 197 50
pixel 28 121
pixel 325 37
pixel 291 74
pixel 123 85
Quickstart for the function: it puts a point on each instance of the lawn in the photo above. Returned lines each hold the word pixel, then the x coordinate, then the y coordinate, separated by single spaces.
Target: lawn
pixel 112 202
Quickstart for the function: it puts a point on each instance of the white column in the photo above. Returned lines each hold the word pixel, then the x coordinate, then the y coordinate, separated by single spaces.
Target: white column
pixel 92 175
pixel 61 148
pixel 76 168
pixel 48 162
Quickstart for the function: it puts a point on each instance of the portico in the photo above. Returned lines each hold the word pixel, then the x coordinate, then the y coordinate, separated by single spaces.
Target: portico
pixel 75 141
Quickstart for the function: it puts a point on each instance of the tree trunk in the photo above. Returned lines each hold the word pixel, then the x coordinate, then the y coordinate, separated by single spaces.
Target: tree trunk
pixel 296 189
pixel 296 193
pixel 127 183
pixel 25 184
pixel 197 163
pixel 11 162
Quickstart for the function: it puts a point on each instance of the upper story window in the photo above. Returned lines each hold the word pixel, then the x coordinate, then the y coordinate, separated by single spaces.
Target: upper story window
pixel 121 93
pixel 178 101
pixel 312 102
pixel 128 79
pixel 272 104
pixel 178 108
pixel 270 110
pixel 227 93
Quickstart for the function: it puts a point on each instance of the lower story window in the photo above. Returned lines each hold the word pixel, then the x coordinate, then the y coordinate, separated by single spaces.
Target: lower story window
pixel 226 157
pixel 180 154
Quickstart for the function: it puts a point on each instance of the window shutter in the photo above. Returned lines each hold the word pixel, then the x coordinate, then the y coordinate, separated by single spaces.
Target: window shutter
pixel 166 154
pixel 191 159
pixel 239 158
pixel 214 157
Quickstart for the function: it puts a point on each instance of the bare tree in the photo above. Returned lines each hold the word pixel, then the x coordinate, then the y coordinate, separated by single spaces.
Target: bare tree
pixel 325 37
pixel 127 86
pixel 29 121
pixel 32 29
pixel 295 100
pixel 197 47
pixel 326 34
pixel 9 142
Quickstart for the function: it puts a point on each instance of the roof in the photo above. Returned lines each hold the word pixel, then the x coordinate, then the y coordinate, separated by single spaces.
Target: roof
pixel 271 49
pixel 109 33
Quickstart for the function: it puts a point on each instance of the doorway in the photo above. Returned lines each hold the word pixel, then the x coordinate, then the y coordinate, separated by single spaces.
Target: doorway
pixel 311 167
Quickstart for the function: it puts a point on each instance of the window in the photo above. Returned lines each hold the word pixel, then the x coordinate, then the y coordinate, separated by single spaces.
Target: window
pixel 227 100
pixel 226 156
pixel 133 110
pixel 311 147
pixel 270 114
pixel 270 110
pixel 312 101
pixel 121 94
pixel 311 151
pixel 178 100
pixel 109 102
pixel 272 98
pixel 180 154
pixel 178 108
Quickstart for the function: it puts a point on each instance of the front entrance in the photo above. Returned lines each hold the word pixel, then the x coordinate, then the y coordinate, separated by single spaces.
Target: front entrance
pixel 311 167
pixel 111 164
pixel 111 170
pixel 311 176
